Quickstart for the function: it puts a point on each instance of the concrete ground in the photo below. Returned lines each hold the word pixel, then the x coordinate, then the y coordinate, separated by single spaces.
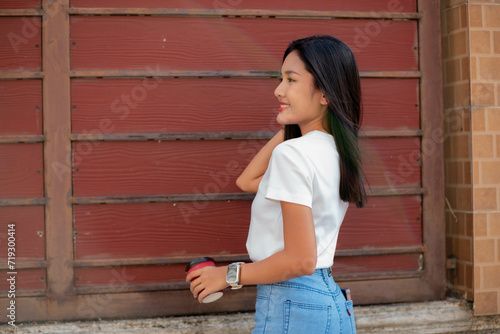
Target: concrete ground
pixel 449 316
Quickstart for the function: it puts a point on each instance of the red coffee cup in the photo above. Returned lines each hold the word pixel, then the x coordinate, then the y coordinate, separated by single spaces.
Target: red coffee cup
pixel 203 262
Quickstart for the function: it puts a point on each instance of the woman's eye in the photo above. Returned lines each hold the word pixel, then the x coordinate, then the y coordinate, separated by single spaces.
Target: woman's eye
pixel 287 79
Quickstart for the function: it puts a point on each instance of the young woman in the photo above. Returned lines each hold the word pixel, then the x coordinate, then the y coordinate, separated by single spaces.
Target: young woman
pixel 304 178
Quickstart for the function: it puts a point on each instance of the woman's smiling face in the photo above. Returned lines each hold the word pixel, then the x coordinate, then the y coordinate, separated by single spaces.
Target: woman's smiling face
pixel 300 101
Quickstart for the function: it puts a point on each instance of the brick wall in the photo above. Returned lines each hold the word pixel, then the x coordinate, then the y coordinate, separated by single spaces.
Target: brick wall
pixel 471 63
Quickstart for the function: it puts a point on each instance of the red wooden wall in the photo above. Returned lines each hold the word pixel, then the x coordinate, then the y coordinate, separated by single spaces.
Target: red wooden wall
pixel 208 104
pixel 166 106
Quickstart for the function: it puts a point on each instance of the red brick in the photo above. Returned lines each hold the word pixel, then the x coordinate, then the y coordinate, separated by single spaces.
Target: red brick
pixel 485 198
pixel 484 251
pixel 476 15
pixel 480 41
pixel 485 303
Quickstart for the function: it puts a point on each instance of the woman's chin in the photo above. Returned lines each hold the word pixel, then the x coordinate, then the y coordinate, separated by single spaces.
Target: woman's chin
pixel 281 121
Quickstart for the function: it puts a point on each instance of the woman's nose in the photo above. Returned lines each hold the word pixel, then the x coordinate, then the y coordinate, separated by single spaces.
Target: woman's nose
pixel 278 92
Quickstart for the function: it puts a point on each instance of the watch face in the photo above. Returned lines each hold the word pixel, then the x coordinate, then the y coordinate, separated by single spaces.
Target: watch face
pixel 232 274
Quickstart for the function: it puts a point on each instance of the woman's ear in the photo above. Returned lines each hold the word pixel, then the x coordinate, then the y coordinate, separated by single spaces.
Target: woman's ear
pixel 323 101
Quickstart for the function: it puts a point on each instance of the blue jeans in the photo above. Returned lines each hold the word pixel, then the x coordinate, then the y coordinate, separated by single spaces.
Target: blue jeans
pixel 306 305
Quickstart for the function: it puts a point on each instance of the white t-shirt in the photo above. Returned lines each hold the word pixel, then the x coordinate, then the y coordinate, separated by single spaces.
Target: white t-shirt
pixel 304 171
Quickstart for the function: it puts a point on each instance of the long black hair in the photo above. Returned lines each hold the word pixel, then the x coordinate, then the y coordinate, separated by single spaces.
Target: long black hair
pixel 336 74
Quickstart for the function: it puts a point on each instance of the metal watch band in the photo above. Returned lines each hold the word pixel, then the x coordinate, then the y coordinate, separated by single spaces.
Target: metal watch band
pixel 235 285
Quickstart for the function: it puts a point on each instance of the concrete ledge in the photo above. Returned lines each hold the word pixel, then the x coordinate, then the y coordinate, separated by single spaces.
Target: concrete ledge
pixel 449 316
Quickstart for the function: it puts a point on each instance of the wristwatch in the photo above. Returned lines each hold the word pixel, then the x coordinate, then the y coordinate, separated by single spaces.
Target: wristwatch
pixel 233 275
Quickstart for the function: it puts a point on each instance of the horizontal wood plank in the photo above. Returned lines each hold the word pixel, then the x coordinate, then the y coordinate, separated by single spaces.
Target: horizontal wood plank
pixel 360 5
pixel 22 201
pixel 390 133
pixel 20 74
pixel 155 261
pixel 26 279
pixel 156 287
pixel 200 167
pixel 185 74
pixel 15 139
pixel 129 275
pixel 185 105
pixel 375 264
pixel 20 4
pixel 163 198
pixel 20 44
pixel 153 168
pixel 173 105
pixel 21 170
pixel 220 228
pixel 168 303
pixel 172 136
pixel 162 229
pixel 99 135
pixel 31 264
pixel 233 12
pixel 20 107
pixel 29 232
pixel 371 192
pixel 383 222
pixel 226 258
pixel 396 99
pixel 394 191
pixel 157 276
pixel 392 162
pixel 20 12
pixel 372 251
pixel 111 42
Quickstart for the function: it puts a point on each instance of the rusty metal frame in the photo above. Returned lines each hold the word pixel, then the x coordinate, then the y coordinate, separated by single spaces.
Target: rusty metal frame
pixel 61 300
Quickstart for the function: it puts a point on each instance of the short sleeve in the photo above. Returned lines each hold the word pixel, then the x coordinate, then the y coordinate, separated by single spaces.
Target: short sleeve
pixel 290 178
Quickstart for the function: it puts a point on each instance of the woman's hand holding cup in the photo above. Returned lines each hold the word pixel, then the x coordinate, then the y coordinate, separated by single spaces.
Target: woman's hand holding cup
pixel 207 281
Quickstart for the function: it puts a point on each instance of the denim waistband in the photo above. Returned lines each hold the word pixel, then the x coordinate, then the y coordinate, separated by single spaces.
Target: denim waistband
pixel 325 272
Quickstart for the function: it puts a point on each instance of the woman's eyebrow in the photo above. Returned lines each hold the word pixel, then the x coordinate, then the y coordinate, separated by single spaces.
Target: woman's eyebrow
pixel 291 72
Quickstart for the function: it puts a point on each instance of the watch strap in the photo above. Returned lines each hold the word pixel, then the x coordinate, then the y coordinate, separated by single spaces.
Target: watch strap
pixel 236 285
